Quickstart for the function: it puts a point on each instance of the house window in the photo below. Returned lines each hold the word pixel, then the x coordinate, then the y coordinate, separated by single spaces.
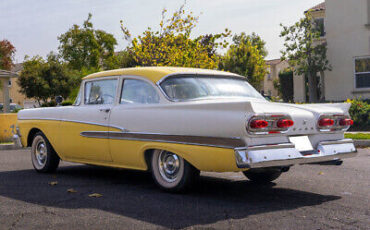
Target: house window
pixel 320 26
pixel 362 72
pixel 10 83
pixel 268 74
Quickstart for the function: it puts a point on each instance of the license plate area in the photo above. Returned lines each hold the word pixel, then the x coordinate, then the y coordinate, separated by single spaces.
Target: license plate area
pixel 302 143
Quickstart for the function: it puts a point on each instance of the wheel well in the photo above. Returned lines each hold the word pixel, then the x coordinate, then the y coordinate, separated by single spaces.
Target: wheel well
pixel 148 156
pixel 31 135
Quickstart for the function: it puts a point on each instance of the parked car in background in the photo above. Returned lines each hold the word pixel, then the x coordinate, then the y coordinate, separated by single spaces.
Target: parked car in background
pixel 177 122
pixel 12 107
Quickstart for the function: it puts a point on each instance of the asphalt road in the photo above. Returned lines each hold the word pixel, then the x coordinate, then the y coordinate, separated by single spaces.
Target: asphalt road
pixel 306 197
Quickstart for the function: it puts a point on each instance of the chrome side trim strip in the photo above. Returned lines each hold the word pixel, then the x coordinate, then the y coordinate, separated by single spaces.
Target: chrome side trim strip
pixel 76 121
pixel 221 142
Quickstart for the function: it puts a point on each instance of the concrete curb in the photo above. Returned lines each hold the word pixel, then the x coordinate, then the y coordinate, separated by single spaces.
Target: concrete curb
pixel 362 143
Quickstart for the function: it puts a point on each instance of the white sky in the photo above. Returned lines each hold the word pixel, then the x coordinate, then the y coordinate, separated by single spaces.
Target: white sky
pixel 33 25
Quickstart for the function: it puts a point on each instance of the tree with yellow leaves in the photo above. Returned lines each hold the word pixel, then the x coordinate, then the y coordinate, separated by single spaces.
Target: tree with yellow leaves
pixel 172 44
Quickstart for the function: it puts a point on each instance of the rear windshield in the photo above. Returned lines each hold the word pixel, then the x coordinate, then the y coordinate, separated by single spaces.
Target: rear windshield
pixel 192 87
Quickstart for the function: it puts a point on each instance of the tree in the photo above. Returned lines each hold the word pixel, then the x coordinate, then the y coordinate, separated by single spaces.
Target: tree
pixel 122 59
pixel 284 85
pixel 7 51
pixel 87 47
pixel 255 40
pixel 172 44
pixel 245 59
pixel 44 79
pixel 306 52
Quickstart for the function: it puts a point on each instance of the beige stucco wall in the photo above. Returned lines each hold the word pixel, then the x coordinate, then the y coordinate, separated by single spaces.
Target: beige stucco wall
pixel 268 84
pixel 347 38
pixel 14 93
pixel 299 88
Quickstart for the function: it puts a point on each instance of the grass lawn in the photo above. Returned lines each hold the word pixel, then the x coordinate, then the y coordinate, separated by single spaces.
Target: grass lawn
pixel 361 136
pixel 6 143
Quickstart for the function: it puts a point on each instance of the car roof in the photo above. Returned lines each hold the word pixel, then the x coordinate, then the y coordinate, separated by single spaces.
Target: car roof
pixel 155 73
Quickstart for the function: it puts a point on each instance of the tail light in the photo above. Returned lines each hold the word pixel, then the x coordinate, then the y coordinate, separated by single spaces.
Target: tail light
pixel 259 124
pixel 284 123
pixel 326 122
pixel 346 122
pixel 334 122
pixel 269 124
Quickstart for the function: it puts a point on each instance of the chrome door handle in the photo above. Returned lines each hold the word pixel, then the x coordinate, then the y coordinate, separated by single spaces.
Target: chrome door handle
pixel 104 110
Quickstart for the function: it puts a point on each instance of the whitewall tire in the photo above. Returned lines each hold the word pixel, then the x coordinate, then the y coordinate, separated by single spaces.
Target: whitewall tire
pixel 171 172
pixel 43 156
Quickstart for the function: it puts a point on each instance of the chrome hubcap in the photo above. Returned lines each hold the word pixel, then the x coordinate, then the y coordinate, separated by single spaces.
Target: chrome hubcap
pixel 169 165
pixel 41 153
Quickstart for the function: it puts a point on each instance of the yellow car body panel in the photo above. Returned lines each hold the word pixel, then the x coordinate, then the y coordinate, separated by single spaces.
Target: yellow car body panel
pixel 71 146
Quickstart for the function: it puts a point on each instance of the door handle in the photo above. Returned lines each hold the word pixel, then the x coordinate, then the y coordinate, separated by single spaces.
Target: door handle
pixel 104 110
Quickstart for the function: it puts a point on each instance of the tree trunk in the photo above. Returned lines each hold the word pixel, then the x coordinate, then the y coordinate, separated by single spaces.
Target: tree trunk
pixel 322 86
pixel 312 87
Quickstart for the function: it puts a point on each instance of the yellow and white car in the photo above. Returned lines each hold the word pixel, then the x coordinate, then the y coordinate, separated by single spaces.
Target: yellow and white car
pixel 177 122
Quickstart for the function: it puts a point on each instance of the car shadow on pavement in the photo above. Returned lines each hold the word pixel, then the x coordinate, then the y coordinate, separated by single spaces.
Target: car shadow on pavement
pixel 134 194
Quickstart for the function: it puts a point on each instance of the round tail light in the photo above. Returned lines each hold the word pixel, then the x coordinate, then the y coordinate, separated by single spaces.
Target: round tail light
pixel 258 124
pixel 346 122
pixel 285 123
pixel 326 122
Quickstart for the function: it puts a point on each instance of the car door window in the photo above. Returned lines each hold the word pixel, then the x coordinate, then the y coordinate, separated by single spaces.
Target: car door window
pixel 100 92
pixel 138 92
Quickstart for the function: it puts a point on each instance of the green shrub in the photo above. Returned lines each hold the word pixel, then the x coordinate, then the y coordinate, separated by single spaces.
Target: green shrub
pixel 284 85
pixel 67 102
pixel 49 104
pixel 360 112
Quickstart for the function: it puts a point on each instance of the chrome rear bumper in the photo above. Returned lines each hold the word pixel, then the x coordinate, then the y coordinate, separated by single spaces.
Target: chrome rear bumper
pixel 286 154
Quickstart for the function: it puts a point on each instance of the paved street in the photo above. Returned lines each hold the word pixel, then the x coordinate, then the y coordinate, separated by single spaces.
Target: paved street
pixel 306 197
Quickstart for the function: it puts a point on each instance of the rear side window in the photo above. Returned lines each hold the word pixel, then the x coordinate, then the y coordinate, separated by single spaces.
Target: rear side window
pixel 138 92
pixel 100 92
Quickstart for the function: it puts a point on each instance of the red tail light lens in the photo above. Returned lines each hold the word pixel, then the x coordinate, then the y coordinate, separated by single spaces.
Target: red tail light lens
pixel 346 122
pixel 285 123
pixel 326 122
pixel 262 124
pixel 258 124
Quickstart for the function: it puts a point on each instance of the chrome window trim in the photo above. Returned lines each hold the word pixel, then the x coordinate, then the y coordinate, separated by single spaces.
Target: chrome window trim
pixel 116 77
pixel 137 78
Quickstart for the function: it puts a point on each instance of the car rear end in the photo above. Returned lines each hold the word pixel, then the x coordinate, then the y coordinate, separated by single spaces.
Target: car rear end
pixel 280 135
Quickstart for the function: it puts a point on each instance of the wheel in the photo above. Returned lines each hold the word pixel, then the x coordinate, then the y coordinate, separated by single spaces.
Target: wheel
pixel 263 175
pixel 44 158
pixel 171 172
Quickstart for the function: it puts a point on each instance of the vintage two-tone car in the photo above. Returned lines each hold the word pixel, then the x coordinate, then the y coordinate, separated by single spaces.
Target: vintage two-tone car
pixel 177 122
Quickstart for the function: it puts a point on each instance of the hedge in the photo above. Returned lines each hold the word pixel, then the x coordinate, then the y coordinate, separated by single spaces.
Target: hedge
pixel 360 112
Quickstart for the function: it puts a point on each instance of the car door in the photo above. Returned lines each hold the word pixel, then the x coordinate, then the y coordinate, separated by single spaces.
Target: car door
pixel 137 98
pixel 85 126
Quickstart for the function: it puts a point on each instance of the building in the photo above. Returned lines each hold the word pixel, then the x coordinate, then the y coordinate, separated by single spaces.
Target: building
pixel 13 88
pixel 345 26
pixel 274 67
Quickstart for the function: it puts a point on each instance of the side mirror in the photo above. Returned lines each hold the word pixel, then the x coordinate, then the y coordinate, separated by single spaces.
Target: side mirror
pixel 58 100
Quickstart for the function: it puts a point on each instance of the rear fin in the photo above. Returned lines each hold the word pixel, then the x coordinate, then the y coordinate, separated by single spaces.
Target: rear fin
pixel 343 106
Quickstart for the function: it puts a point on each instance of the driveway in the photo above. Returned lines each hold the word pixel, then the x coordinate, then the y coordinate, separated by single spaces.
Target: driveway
pixel 306 197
